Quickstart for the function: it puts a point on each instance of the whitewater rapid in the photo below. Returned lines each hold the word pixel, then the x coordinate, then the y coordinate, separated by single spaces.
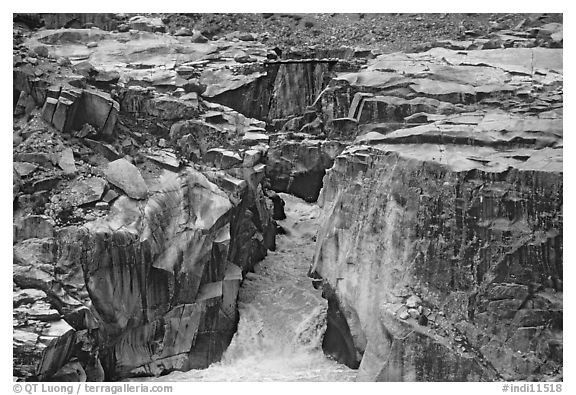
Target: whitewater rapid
pixel 282 317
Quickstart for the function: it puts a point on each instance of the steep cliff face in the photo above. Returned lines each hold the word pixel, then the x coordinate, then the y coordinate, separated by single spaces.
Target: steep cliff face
pixel 441 248
pixel 277 91
pixel 298 166
pixel 153 285
pixel 445 273
pixel 127 259
pixel 143 164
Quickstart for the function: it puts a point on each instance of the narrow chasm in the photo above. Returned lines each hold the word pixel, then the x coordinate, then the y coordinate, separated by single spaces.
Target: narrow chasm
pixel 287 197
pixel 284 321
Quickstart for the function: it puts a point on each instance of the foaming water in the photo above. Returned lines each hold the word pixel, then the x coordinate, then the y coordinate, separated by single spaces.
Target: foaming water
pixel 282 317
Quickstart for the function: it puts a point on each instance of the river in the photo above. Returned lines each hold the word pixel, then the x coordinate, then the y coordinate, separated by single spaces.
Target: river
pixel 282 317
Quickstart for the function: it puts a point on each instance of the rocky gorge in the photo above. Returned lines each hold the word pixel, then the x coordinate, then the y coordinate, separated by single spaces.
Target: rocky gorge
pixel 150 161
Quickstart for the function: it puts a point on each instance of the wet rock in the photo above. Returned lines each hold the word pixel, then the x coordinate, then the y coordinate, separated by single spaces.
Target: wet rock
pixel 202 291
pixel 127 177
pixel 399 197
pixel 441 209
pixel 480 158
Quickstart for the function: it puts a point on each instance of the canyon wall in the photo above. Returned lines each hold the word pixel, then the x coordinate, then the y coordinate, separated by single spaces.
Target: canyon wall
pixel 442 241
pixel 144 171
pixel 147 289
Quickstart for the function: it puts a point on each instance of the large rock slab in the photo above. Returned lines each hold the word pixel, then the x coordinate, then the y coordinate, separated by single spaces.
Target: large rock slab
pixel 70 109
pixel 157 277
pixel 442 238
pixel 127 177
pixel 440 252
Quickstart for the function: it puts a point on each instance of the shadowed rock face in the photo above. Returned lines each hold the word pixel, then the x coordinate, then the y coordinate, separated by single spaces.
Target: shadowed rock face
pixel 155 282
pixel 439 174
pixel 442 240
pixel 483 251
pixel 280 90
pixel 70 109
pixel 474 231
pixel 297 167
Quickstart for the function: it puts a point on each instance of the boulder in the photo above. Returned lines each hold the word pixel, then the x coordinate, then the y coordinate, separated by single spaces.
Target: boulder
pixel 66 161
pixel 146 24
pixel 72 109
pixel 194 138
pixel 183 31
pixel 198 37
pixel 127 177
pixel 84 191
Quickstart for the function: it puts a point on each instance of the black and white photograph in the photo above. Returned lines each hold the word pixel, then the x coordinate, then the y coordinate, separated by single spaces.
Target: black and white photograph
pixel 287 197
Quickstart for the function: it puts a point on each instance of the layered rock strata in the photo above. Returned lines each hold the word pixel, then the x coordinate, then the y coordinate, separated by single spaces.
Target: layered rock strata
pixel 441 248
pixel 133 223
pixel 143 170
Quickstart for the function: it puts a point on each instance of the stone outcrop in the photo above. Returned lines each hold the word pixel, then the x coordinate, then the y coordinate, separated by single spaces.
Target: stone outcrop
pixel 155 281
pixel 134 257
pixel 145 165
pixel 298 166
pixel 280 90
pixel 70 109
pixel 441 247
pixel 127 177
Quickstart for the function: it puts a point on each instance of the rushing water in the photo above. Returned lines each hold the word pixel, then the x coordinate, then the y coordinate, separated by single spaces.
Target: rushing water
pixel 282 317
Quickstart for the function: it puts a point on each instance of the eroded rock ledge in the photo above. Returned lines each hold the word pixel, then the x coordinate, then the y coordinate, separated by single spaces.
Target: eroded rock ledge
pixel 442 242
pixel 143 168
pixel 149 288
